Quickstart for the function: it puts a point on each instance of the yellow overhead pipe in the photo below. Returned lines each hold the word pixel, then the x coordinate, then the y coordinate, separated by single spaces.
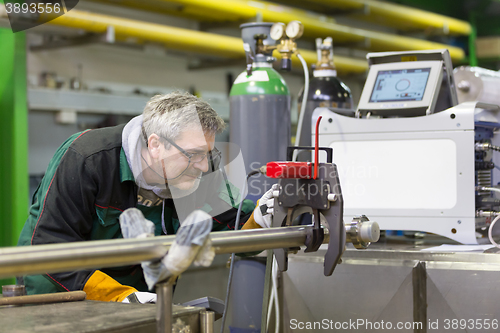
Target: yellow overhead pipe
pixel 178 38
pixel 315 25
pixel 400 17
pixel 171 37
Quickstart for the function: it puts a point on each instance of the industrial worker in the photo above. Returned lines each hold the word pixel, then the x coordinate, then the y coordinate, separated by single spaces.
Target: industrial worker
pixel 155 163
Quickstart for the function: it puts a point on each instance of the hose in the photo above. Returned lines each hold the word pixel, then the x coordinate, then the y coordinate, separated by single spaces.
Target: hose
pixel 274 298
pixel 490 231
pixel 491 189
pixel 303 106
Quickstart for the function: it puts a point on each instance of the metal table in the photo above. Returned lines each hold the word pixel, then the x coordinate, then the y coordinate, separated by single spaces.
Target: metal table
pixel 393 281
pixel 92 316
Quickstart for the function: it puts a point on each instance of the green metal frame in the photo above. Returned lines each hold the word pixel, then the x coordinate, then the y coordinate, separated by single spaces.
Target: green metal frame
pixel 472 40
pixel 14 178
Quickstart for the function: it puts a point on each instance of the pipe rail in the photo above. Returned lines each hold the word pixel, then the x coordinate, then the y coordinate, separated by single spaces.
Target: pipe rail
pixel 315 24
pixel 64 257
pixel 178 38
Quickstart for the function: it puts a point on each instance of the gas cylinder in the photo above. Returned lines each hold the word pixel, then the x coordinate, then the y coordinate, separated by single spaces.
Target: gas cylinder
pixel 260 120
pixel 325 90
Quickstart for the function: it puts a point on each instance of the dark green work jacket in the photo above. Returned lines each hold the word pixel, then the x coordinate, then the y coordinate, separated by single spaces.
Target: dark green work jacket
pixel 88 184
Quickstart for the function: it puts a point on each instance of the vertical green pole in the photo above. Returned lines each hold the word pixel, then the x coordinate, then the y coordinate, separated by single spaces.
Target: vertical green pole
pixel 14 187
pixel 472 40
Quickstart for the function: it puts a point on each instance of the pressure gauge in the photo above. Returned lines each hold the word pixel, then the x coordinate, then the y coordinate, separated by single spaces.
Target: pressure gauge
pixel 277 31
pixel 294 29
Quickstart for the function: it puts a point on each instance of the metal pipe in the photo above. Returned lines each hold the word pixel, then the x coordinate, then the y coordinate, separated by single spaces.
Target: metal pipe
pixel 72 296
pixel 207 322
pixel 64 257
pixel 164 291
pixel 399 16
pixel 315 24
pixel 178 38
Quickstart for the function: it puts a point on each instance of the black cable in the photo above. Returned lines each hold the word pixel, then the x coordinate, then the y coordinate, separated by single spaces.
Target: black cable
pixel 230 279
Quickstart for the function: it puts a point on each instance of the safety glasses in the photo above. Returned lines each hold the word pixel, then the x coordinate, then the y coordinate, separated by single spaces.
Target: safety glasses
pixel 213 156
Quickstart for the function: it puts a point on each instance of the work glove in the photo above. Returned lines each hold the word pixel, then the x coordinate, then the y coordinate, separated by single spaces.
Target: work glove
pixel 134 225
pixel 263 213
pixel 192 244
pixel 140 297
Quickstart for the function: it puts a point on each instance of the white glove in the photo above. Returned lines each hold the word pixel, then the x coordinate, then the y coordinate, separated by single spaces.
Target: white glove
pixel 134 225
pixel 140 297
pixel 263 213
pixel 206 254
pixel 192 244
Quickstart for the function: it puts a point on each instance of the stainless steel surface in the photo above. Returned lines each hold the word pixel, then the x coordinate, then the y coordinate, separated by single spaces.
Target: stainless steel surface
pixel 164 291
pixel 63 257
pixel 361 232
pixel 207 319
pixel 408 258
pixel 54 258
pixel 419 281
pixel 459 286
pixel 12 290
pixel 368 292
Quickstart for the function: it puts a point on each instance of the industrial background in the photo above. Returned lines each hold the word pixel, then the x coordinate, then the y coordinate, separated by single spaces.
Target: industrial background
pixel 98 64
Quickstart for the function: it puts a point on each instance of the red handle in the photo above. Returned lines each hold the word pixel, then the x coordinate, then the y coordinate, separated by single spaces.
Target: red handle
pixel 289 170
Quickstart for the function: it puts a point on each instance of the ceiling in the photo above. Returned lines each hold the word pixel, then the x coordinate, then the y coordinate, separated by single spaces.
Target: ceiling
pixel 356 26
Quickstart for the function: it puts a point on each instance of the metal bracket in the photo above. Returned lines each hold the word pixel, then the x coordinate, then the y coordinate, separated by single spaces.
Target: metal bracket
pixel 326 200
pixel 315 239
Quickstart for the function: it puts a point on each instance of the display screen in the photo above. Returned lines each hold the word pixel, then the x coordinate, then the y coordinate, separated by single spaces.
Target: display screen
pixel 400 85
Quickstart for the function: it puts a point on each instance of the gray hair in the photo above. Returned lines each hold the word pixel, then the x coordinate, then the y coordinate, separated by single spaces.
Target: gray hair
pixel 169 115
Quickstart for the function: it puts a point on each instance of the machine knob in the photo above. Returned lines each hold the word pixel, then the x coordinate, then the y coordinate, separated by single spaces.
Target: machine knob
pixel 464 86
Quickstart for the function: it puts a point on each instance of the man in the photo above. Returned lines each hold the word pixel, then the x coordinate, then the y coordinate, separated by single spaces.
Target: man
pixel 155 162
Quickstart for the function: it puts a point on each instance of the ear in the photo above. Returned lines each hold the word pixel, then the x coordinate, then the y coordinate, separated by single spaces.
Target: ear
pixel 154 145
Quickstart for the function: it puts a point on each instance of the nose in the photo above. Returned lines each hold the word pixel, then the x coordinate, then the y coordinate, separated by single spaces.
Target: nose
pixel 202 165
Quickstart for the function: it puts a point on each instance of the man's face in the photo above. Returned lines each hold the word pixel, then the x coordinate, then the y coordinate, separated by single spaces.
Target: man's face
pixel 179 172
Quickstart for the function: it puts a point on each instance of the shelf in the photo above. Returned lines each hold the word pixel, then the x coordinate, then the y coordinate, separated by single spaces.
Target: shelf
pixel 44 99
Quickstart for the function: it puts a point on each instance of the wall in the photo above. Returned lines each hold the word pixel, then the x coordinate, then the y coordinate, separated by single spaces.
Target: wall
pixel 121 70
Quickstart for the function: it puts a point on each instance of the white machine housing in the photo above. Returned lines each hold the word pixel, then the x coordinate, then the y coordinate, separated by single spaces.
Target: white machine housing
pixel 409 173
pixel 408 162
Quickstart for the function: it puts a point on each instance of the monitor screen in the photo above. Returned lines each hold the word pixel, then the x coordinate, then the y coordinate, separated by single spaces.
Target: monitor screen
pixel 400 85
